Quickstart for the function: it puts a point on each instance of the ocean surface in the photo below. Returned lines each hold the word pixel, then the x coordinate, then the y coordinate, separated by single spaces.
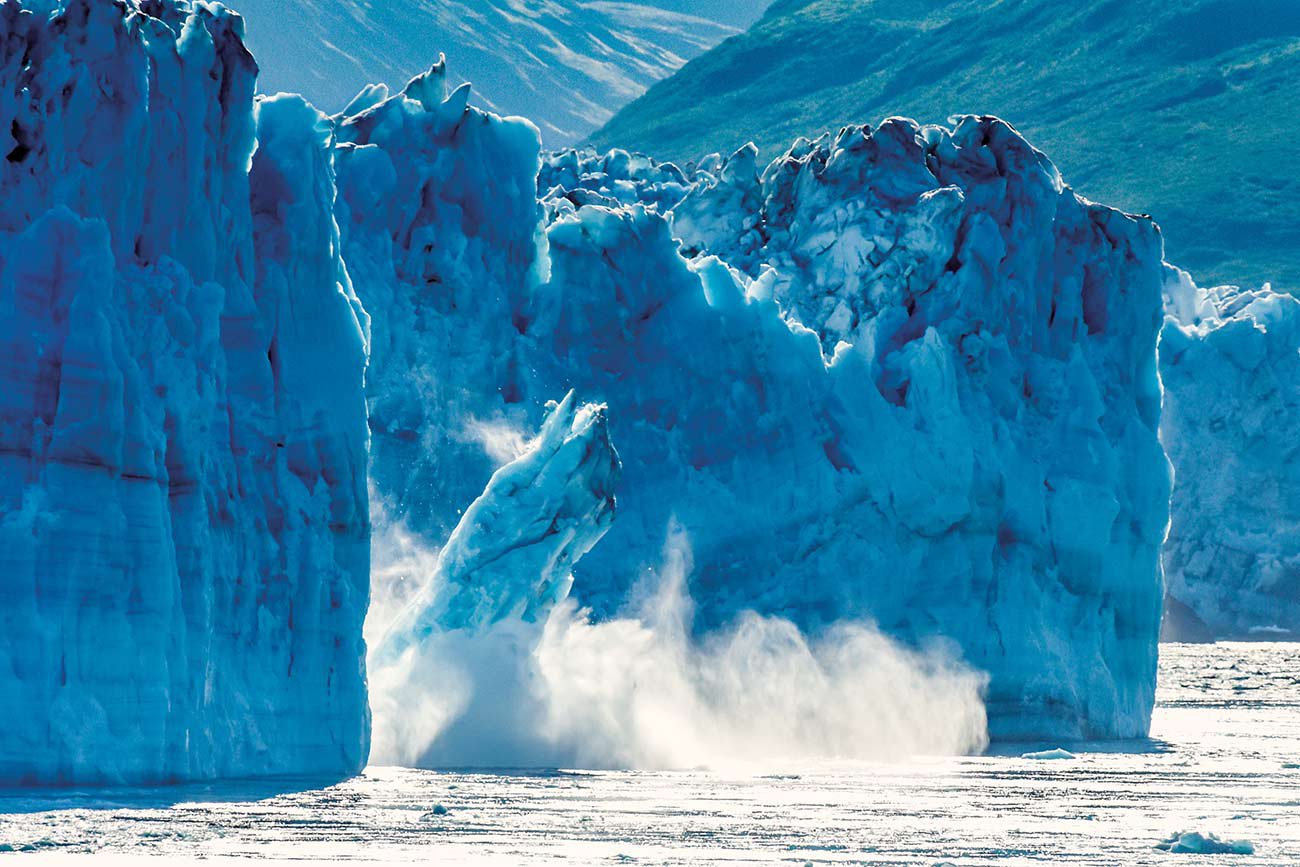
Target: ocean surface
pixel 1223 758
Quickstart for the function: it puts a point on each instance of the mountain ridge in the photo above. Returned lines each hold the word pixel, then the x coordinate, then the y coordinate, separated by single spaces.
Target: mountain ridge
pixel 564 64
pixel 1176 112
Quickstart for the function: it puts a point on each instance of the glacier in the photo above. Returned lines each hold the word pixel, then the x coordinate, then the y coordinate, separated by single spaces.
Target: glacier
pixel 903 374
pixel 1230 361
pixel 901 378
pixel 184 521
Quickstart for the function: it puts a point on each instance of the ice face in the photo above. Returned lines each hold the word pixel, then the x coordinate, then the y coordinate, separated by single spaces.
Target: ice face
pixel 904 376
pixel 1225 361
pixel 441 231
pixel 184 532
pixel 1229 361
pixel 918 386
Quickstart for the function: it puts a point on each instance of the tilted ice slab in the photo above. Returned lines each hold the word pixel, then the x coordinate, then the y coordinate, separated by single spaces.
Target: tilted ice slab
pixel 494 584
pixel 1230 360
pixel 513 552
pixel 184 535
pixel 926 395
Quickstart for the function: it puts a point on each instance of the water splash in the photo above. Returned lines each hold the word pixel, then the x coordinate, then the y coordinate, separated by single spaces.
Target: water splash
pixel 643 691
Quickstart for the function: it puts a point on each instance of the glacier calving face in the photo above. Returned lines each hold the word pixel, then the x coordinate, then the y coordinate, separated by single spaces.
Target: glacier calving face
pixel 441 229
pixel 1231 369
pixel 184 530
pixel 919 386
pixel 901 375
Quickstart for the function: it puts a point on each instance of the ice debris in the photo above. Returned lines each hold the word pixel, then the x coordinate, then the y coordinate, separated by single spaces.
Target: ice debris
pixel 1197 843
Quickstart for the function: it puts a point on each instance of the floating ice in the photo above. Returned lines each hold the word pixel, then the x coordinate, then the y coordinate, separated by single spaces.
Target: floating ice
pixel 1048 755
pixel 1196 843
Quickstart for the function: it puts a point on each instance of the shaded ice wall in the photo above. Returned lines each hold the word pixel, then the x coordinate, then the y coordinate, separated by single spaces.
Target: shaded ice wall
pixel 1230 360
pixel 927 397
pixel 441 232
pixel 184 535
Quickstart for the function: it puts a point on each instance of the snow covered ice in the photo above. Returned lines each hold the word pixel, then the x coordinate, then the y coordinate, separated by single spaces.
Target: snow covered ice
pixel 184 532
pixel 1230 361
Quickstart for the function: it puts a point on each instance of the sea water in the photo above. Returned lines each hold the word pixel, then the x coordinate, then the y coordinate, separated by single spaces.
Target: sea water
pixel 1223 758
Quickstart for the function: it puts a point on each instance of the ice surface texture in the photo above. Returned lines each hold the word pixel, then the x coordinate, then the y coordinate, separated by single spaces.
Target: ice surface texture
pixel 924 393
pixel 1231 371
pixel 512 554
pixel 184 531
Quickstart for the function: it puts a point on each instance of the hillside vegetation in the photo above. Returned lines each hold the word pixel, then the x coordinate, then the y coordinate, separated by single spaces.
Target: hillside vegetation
pixel 1181 110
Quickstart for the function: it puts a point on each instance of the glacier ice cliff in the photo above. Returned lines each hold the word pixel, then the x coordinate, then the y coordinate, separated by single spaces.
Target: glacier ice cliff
pixel 904 375
pixel 184 528
pixel 900 376
pixel 1230 360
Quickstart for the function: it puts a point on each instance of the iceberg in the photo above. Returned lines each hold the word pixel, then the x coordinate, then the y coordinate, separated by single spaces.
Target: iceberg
pixel 1230 361
pixel 1196 843
pixel 184 530
pixel 905 375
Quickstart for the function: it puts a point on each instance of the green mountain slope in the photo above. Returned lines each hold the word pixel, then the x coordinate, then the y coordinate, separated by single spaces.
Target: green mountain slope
pixel 1182 110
